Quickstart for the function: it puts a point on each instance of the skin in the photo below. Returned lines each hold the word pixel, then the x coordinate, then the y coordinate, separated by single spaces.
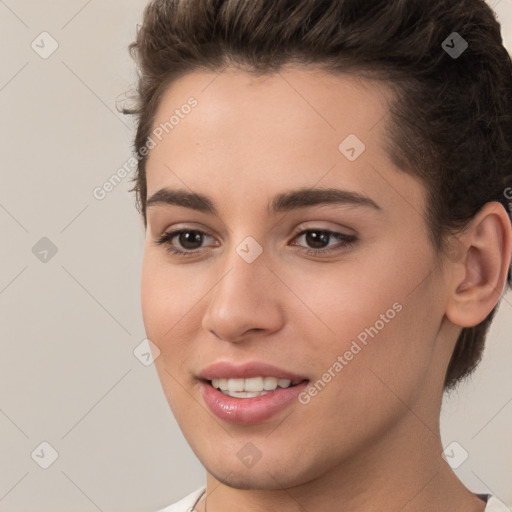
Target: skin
pixel 370 440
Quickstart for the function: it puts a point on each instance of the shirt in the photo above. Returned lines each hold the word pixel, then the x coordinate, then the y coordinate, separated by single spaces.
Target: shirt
pixel 188 503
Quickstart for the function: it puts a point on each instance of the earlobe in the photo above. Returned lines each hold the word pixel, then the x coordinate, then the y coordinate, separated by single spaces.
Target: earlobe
pixel 484 252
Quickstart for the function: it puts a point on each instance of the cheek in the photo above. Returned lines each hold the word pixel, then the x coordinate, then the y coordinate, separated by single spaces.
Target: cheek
pixel 167 294
pixel 160 309
pixel 375 317
pixel 171 301
pixel 340 302
pixel 152 296
pixel 166 311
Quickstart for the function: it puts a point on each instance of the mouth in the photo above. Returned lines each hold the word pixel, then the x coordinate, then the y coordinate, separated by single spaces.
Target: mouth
pixel 252 387
pixel 246 401
pixel 249 393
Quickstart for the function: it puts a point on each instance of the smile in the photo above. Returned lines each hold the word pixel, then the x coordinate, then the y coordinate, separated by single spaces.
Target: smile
pixel 252 387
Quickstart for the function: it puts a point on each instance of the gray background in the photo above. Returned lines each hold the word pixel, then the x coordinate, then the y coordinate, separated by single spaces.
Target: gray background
pixel 69 325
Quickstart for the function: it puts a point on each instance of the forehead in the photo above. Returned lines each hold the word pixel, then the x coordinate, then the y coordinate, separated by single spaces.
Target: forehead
pixel 295 99
pixel 283 129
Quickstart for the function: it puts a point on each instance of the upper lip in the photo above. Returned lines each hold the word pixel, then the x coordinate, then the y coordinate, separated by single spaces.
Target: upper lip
pixel 228 370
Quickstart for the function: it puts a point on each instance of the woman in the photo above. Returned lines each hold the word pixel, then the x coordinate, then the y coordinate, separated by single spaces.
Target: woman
pixel 325 189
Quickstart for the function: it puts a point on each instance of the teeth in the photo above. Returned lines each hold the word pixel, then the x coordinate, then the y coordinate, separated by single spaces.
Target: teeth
pixel 235 384
pixel 244 394
pixel 254 386
pixel 270 383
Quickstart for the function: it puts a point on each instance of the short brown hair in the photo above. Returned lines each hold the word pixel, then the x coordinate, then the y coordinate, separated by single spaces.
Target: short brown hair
pixel 450 124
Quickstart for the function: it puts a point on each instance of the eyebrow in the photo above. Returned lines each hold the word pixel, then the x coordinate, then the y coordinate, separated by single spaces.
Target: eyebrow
pixel 284 202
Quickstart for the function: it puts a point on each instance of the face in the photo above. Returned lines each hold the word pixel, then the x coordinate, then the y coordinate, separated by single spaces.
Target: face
pixel 337 293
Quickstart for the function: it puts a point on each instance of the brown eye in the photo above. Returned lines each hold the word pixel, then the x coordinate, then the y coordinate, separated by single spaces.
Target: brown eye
pixel 317 241
pixel 188 241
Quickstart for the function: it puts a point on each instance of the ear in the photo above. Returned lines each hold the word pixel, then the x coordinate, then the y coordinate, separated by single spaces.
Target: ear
pixel 479 266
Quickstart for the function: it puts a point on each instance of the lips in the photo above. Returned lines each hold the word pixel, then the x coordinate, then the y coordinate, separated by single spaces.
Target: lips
pixel 245 408
pixel 227 370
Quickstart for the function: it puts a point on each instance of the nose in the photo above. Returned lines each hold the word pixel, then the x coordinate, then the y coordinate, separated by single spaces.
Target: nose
pixel 245 300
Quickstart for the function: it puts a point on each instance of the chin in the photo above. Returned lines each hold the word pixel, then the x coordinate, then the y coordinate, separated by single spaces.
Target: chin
pixel 262 476
pixel 247 480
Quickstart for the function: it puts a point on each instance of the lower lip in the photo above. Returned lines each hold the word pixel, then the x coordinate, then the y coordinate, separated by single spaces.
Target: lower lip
pixel 249 411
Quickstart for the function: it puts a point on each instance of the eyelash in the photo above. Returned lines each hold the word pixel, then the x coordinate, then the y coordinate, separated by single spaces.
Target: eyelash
pixel 347 242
